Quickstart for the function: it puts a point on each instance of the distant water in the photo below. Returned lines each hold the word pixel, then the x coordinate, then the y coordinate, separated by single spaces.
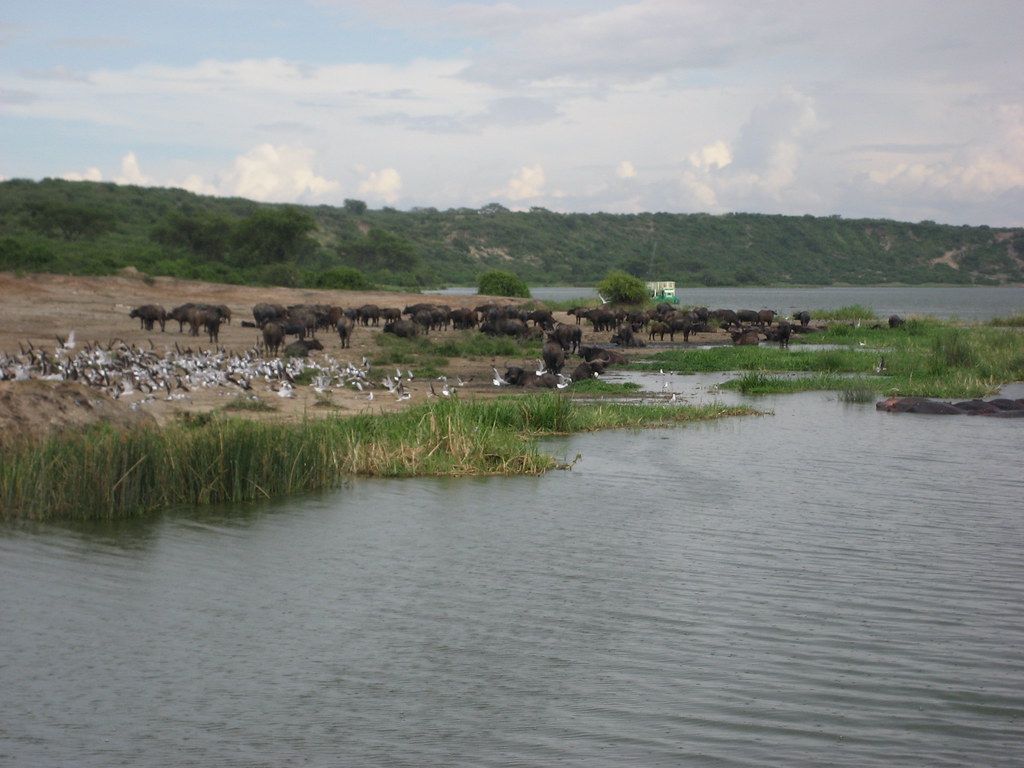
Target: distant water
pixel 965 303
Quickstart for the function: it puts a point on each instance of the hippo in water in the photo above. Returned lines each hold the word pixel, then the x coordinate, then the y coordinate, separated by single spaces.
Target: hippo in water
pixel 1001 407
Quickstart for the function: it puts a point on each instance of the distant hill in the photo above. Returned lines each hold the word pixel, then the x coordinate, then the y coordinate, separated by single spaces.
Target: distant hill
pixel 100 228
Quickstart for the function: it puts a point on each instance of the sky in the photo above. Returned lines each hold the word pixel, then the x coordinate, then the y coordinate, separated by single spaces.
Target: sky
pixel 902 109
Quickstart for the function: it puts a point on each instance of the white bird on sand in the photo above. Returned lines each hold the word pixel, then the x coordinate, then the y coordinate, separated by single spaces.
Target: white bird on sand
pixel 68 343
pixel 499 380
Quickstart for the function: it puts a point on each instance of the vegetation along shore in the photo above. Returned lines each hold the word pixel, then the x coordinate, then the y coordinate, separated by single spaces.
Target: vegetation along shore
pixel 440 402
pixel 159 347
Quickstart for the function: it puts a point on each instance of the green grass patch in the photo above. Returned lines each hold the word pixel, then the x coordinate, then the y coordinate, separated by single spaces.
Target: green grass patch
pixel 601 387
pixel 720 359
pixel 430 359
pixel 852 314
pixel 471 344
pixel 249 405
pixel 105 473
pixel 923 357
pixel 857 393
pixel 1009 321
pixel 760 383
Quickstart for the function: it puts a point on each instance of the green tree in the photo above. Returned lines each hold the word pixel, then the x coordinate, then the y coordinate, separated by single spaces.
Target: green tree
pixel 273 235
pixel 15 255
pixel 379 251
pixel 70 222
pixel 204 234
pixel 497 282
pixel 284 275
pixel 620 287
pixel 356 207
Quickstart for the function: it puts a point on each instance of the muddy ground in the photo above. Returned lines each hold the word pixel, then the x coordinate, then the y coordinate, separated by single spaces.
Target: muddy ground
pixel 41 310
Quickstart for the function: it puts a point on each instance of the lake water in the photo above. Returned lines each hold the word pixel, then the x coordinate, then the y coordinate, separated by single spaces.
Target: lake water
pixel 943 302
pixel 825 584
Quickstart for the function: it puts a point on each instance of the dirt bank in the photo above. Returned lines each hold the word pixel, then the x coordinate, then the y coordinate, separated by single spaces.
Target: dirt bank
pixel 42 311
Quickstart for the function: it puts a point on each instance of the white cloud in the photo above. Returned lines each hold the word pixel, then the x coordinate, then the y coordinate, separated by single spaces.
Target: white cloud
pixel 92 174
pixel 713 155
pixel 984 171
pixel 527 183
pixel 131 173
pixel 382 185
pixel 276 174
pixel 625 170
pixel 195 183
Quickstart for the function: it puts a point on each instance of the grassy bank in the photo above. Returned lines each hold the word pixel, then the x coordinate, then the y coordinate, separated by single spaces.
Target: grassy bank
pixel 108 473
pixel 925 358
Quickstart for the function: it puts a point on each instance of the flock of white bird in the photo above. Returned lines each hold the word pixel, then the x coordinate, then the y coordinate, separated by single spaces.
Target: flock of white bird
pixel 120 370
pixel 139 375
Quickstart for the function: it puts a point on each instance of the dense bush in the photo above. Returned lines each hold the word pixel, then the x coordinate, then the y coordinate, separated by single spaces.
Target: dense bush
pixel 341 279
pixel 622 288
pixel 500 283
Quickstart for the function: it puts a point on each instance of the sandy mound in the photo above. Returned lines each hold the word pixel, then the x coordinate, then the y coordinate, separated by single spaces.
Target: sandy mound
pixel 38 409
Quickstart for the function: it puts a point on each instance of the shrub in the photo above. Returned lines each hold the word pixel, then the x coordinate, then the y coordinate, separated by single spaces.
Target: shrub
pixel 619 287
pixel 342 279
pixel 500 283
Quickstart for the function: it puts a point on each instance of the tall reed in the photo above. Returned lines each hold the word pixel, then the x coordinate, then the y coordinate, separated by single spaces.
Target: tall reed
pixel 107 473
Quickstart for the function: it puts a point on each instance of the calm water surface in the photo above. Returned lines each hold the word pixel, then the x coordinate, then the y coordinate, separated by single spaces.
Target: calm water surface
pixel 822 585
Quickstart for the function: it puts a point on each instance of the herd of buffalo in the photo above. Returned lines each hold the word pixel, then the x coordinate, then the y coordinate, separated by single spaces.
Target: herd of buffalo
pixel 560 340
pixel 275 323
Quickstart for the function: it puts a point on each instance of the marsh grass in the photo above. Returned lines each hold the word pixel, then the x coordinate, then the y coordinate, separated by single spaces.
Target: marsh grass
pixel 721 359
pixel 105 473
pixel 854 313
pixel 857 393
pixel 602 387
pixel 1009 321
pixel 923 357
pixel 761 383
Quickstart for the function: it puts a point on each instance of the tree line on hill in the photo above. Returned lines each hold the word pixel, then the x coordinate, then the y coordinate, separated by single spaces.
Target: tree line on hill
pixel 100 228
